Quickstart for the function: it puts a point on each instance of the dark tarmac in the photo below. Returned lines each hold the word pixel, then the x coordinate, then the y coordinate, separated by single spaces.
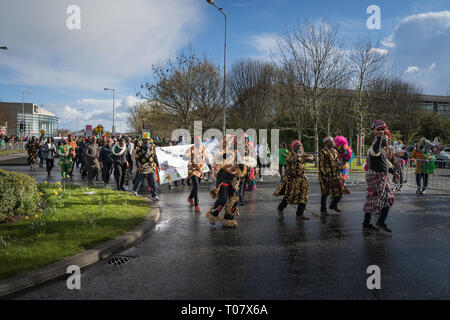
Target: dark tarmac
pixel 186 258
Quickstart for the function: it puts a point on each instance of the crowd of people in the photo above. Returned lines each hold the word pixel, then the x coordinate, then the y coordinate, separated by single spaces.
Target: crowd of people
pixel 10 142
pixel 234 168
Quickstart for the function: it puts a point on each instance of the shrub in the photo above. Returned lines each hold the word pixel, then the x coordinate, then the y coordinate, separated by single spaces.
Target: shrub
pixel 19 194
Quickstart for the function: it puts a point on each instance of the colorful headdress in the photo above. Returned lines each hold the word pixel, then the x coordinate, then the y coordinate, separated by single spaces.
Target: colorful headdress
pixel 328 139
pixel 341 141
pixel 295 143
pixel 146 136
pixel 379 125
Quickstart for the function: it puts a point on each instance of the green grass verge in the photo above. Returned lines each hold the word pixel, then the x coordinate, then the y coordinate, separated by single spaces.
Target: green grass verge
pixel 5 153
pixel 69 223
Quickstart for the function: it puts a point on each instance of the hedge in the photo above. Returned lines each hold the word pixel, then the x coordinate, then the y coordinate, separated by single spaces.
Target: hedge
pixel 19 194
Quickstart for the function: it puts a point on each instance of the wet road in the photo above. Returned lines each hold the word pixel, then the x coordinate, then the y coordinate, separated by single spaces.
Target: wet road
pixel 185 257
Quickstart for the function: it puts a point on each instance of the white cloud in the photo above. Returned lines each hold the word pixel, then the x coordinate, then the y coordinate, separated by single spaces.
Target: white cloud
pixel 412 69
pixel 420 43
pixel 95 111
pixel 118 40
pixel 265 44
pixel 380 51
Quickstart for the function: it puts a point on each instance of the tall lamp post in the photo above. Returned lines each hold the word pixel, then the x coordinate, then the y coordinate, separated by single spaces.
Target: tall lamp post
pixel 78 110
pixel 114 125
pixel 23 113
pixel 224 68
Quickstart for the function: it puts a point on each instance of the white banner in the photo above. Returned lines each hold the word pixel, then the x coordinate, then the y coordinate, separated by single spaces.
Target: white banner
pixel 172 166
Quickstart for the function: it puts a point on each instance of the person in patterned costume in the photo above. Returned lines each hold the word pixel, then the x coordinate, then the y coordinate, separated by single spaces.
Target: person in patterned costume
pixel 331 183
pixel 65 159
pixel 33 149
pixel 380 197
pixel 196 156
pixel 295 187
pixel 227 185
pixel 147 164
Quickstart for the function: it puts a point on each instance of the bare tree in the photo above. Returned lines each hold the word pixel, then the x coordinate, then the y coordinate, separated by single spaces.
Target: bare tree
pixel 396 101
pixel 208 97
pixel 317 62
pixel 367 63
pixel 251 87
pixel 290 103
pixel 151 115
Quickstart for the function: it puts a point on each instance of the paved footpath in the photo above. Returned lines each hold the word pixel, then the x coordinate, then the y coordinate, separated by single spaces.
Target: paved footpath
pixel 264 258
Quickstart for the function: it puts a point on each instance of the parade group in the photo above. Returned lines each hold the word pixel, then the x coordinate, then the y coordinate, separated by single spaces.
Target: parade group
pixel 234 168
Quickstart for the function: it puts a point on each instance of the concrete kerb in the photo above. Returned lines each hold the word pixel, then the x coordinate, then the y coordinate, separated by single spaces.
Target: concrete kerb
pixel 56 270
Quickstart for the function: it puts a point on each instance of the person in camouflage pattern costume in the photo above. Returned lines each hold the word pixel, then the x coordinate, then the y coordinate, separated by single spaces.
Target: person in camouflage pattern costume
pixel 32 148
pixel 295 187
pixel 330 181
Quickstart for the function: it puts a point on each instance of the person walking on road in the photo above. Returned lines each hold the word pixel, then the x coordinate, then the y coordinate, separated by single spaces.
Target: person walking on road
pixel 91 162
pixel 380 197
pixel 147 164
pixel 48 153
pixel 33 148
pixel 331 183
pixel 227 186
pixel 282 159
pixel 263 157
pixel 121 160
pixel 295 187
pixel 106 162
pixel 196 156
pixel 65 159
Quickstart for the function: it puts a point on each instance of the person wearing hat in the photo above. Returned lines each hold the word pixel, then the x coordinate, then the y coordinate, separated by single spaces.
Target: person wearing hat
pixel 91 159
pixel 147 164
pixel 196 155
pixel 227 185
pixel 295 187
pixel 380 197
pixel 330 181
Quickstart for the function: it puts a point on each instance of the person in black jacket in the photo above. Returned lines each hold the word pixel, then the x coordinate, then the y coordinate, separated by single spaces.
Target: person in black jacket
pixel 121 159
pixel 80 153
pixel 380 197
pixel 106 162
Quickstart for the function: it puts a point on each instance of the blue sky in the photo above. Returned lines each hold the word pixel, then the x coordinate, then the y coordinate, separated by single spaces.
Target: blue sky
pixel 120 40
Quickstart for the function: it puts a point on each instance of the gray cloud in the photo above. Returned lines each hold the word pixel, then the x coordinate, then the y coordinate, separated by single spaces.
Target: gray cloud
pixel 118 40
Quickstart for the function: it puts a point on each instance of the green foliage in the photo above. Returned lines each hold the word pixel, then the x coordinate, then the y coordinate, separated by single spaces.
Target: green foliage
pixel 38 225
pixel 5 244
pixel 434 125
pixel 19 194
pixel 52 233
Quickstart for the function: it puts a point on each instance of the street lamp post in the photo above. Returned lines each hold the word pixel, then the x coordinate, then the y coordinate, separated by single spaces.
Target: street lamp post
pixel 78 110
pixel 224 67
pixel 23 113
pixel 113 126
